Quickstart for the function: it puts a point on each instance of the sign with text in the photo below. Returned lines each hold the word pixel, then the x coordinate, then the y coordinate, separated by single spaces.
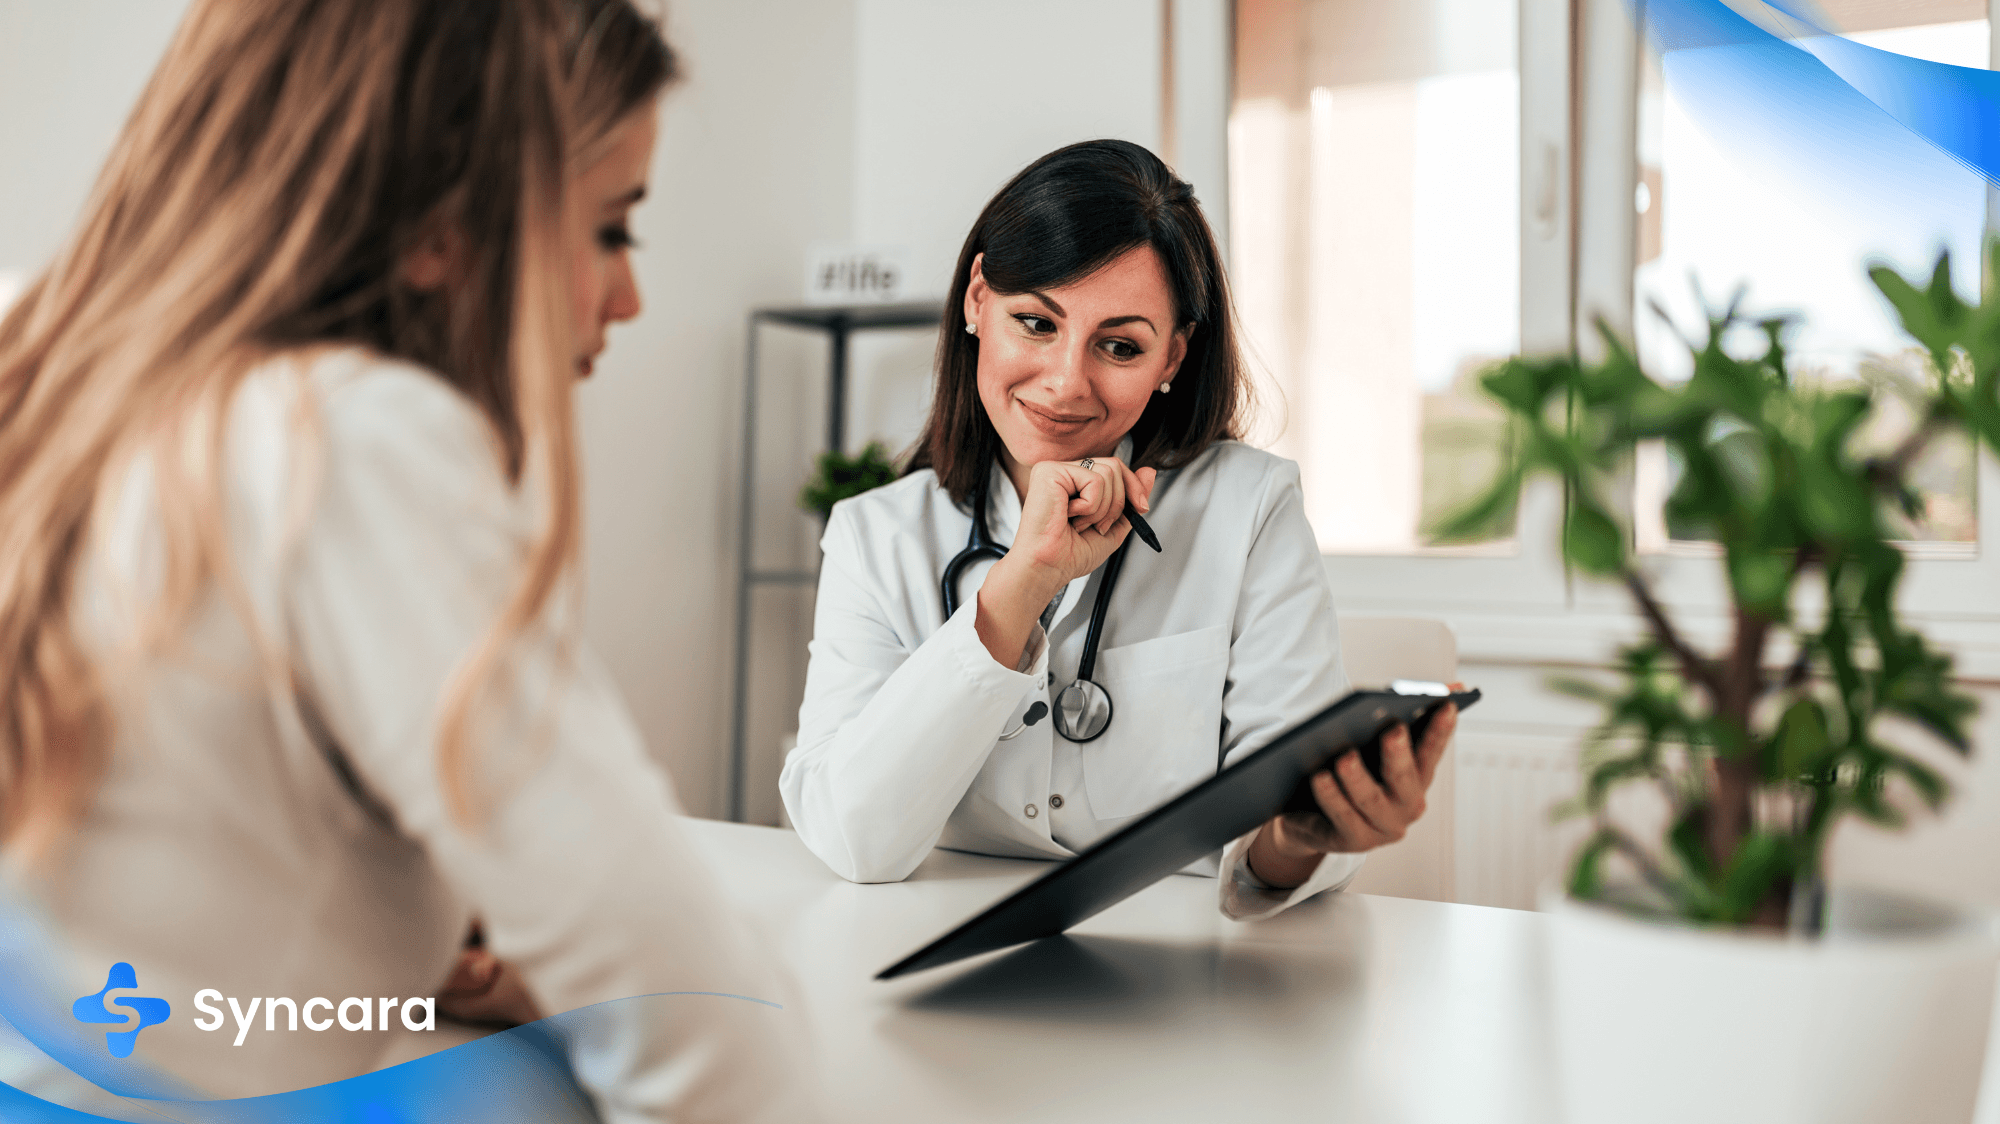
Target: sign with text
pixel 855 274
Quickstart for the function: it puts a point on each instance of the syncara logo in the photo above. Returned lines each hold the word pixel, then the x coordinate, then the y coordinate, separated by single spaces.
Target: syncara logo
pixel 91 1009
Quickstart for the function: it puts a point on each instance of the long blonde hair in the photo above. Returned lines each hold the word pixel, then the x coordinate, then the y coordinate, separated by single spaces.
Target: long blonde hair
pixel 284 158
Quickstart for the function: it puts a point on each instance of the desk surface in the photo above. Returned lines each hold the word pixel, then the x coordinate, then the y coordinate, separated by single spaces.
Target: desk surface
pixel 1350 1008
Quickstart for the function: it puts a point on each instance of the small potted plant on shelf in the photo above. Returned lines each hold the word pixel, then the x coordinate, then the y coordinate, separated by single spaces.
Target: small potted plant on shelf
pixel 1700 966
pixel 837 476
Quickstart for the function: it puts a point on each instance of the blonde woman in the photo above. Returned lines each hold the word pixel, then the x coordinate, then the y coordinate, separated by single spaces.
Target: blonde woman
pixel 289 692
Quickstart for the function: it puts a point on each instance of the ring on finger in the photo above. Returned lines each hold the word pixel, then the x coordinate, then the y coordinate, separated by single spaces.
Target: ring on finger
pixel 1085 463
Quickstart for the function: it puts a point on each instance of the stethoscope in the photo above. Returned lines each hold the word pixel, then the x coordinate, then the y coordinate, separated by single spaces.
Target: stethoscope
pixel 1083 710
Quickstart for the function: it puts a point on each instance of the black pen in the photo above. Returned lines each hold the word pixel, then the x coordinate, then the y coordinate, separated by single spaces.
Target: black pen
pixel 1144 532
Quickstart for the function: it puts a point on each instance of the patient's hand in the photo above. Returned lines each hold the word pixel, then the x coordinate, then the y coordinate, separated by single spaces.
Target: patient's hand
pixel 485 989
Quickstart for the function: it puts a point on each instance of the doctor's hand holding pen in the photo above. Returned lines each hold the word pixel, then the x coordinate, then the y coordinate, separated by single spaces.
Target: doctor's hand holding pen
pixel 1355 812
pixel 1072 520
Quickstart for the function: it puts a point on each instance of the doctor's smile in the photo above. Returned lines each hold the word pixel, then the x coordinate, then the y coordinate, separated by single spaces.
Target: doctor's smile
pixel 1051 422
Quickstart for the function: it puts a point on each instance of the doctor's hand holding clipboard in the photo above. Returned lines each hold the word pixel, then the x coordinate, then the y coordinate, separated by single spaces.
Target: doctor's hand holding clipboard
pixel 994 666
pixel 1356 814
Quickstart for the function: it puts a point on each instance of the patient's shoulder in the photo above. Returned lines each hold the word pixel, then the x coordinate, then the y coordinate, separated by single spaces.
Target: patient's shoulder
pixel 352 406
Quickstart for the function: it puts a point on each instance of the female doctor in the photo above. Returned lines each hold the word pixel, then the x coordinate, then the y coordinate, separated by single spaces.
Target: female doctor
pixel 994 667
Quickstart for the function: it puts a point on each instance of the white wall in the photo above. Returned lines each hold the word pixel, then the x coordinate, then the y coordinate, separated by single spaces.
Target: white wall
pixel 955 97
pixel 69 74
pixel 754 163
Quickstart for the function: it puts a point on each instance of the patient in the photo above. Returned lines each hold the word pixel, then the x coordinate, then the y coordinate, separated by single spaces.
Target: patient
pixel 290 686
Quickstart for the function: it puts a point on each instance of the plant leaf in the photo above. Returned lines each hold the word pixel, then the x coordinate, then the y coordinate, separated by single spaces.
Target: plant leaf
pixel 1593 541
pixel 1799 743
pixel 1760 579
pixel 1586 879
pixel 1929 783
pixel 1761 860
pixel 1483 517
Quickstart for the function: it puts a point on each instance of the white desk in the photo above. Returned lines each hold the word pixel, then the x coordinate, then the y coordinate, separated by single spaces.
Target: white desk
pixel 1352 1008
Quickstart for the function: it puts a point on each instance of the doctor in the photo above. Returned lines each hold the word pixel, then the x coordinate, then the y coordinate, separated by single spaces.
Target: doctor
pixel 1088 331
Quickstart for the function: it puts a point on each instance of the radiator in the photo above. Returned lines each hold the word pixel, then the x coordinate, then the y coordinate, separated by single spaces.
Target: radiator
pixel 1507 846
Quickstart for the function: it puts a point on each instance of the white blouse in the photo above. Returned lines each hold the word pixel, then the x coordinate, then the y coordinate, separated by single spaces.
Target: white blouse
pixel 1210 650
pixel 259 846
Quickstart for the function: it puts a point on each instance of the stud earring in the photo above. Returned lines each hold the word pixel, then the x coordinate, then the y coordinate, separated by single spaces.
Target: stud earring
pixel 1166 386
pixel 971 329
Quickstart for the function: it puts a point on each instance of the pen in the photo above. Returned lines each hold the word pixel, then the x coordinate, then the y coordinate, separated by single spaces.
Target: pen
pixel 1139 527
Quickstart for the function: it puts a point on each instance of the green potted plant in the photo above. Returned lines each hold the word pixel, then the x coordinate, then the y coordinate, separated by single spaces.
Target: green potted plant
pixel 837 476
pixel 1707 942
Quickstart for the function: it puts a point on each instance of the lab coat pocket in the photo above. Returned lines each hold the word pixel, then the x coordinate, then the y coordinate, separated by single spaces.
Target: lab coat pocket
pixel 1166 721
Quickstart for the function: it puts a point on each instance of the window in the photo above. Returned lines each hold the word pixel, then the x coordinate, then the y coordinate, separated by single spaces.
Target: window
pixel 1375 191
pixel 1783 180
pixel 1398 199
pixel 1415 188
pixel 1788 184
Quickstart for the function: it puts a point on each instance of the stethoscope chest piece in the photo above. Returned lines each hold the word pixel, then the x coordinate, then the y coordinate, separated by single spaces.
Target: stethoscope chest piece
pixel 1083 710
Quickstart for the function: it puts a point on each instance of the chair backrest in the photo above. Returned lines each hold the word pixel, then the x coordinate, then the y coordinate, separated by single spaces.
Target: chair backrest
pixel 1377 650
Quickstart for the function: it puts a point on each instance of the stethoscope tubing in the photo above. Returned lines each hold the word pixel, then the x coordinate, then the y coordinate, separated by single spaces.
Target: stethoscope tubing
pixel 1112 567
pixel 979 544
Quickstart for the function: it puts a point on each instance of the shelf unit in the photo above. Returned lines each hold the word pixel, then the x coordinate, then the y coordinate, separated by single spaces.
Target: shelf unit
pixel 837 323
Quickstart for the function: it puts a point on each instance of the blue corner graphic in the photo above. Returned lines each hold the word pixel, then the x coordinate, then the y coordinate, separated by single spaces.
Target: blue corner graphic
pixel 151 1012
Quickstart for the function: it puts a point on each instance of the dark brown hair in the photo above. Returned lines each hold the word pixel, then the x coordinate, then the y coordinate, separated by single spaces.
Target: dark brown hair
pixel 1061 219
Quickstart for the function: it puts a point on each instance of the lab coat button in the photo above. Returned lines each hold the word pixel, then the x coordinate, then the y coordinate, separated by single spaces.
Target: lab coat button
pixel 1056 800
pixel 1030 811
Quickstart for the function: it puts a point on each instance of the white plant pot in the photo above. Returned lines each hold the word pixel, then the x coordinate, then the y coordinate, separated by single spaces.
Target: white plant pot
pixel 1883 1018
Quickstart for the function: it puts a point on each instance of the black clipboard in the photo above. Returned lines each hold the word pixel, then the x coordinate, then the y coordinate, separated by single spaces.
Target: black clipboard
pixel 1195 823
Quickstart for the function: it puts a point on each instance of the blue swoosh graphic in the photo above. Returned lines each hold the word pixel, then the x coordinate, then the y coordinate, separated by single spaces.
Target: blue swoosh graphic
pixel 1956 108
pixel 1828 90
pixel 518 1074
pixel 16 1106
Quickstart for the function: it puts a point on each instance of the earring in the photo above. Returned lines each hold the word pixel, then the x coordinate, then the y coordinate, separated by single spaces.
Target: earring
pixel 1166 386
pixel 971 329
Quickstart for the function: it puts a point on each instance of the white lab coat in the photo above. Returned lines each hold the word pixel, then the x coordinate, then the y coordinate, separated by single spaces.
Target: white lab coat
pixel 1210 650
pixel 266 844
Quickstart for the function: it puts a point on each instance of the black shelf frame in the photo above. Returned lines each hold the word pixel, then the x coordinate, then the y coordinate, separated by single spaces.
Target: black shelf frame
pixel 837 322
